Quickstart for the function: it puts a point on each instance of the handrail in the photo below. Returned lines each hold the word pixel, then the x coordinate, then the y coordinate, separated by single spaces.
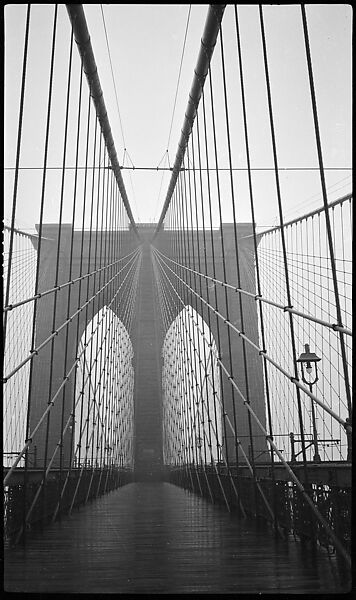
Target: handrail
pixel 82 38
pixel 26 234
pixel 312 213
pixel 207 45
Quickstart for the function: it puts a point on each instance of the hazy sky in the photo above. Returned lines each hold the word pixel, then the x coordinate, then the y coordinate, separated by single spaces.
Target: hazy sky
pixel 145 44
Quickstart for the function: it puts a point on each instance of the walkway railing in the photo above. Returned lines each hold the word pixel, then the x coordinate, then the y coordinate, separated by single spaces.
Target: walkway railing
pixel 242 311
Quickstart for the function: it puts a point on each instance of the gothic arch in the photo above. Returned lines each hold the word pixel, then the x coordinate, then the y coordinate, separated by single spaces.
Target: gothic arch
pixel 109 391
pixel 192 411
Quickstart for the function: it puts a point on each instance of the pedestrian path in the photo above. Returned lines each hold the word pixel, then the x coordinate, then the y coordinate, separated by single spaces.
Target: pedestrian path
pixel 158 538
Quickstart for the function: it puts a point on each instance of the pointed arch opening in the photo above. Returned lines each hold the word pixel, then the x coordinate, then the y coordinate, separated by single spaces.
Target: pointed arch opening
pixel 192 410
pixel 104 412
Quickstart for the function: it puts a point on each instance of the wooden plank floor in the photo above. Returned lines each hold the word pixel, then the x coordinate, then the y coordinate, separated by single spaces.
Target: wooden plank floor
pixel 157 538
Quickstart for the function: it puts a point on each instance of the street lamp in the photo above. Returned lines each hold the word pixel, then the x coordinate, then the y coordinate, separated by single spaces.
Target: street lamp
pixel 310 359
pixel 199 443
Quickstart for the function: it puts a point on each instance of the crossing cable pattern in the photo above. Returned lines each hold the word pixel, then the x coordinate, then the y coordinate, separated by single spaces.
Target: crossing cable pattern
pixel 237 308
pixel 70 292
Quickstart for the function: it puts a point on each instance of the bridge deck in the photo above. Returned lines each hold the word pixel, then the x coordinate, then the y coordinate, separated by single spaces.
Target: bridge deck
pixel 157 538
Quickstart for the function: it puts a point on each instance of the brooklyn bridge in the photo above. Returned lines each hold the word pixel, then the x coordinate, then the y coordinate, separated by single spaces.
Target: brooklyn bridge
pixel 177 388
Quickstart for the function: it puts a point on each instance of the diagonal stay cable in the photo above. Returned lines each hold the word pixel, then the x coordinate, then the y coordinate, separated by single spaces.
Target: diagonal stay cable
pixel 64 285
pixel 84 426
pixel 269 439
pixel 49 466
pixel 260 298
pixel 64 324
pixel 52 402
pixel 263 353
pixel 231 425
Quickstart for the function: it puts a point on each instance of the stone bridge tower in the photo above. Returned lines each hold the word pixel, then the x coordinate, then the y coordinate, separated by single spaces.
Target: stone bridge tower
pixel 147 334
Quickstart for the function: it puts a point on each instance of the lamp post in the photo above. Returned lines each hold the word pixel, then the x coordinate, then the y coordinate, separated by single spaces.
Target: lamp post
pixel 199 443
pixel 309 359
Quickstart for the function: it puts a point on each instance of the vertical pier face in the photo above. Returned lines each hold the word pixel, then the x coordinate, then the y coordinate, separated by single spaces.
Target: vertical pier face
pixel 148 412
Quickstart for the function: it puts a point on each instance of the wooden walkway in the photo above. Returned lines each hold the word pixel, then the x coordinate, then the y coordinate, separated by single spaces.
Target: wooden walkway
pixel 157 538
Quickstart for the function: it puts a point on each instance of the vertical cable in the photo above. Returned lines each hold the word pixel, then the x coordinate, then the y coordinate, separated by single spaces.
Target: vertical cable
pixel 17 165
pixel 280 211
pixel 214 275
pixel 242 319
pixel 11 243
pixel 61 489
pixel 42 202
pixel 224 271
pixel 255 244
pixel 326 207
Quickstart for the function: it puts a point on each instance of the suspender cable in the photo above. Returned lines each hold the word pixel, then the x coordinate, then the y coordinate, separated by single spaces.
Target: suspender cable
pixel 281 220
pixel 18 152
pixel 72 415
pixel 208 42
pixel 326 208
pixel 210 218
